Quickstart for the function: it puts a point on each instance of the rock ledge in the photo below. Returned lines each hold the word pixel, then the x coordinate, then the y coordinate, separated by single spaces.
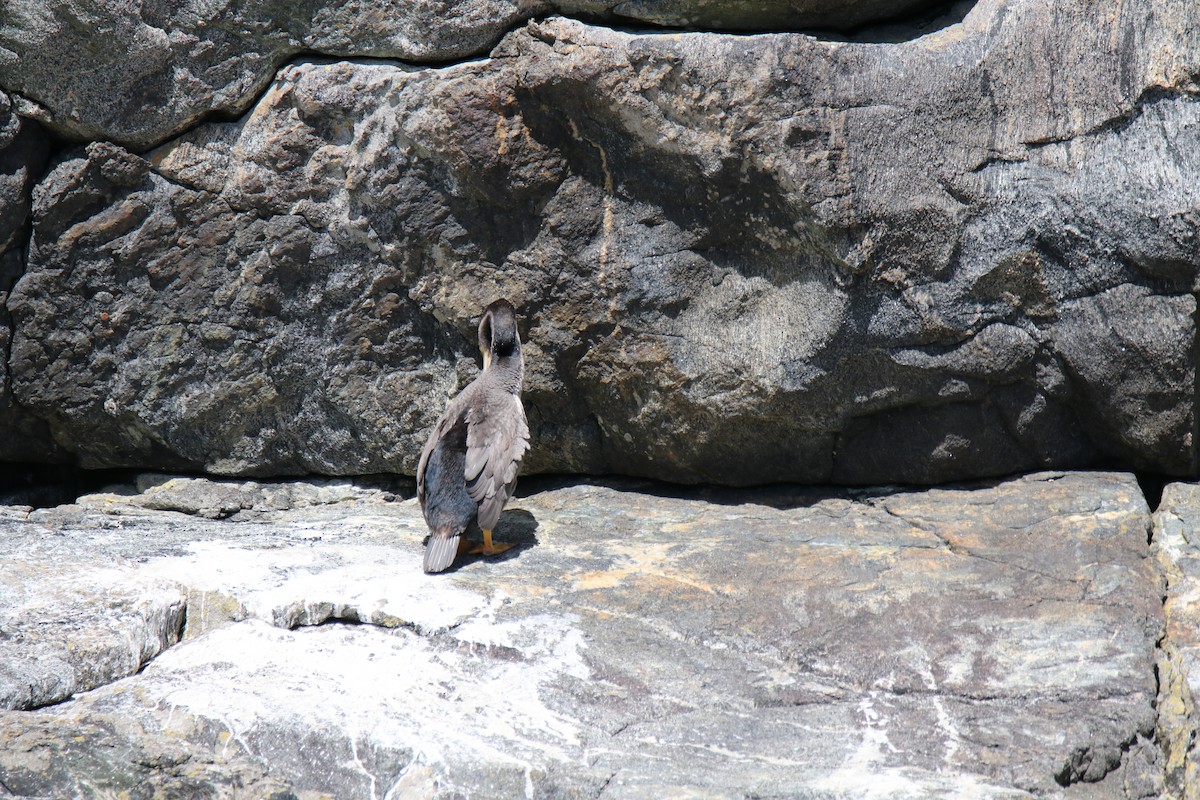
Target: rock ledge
pixel 996 641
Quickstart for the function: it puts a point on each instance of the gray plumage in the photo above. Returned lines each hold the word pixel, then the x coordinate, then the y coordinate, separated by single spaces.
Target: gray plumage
pixel 469 466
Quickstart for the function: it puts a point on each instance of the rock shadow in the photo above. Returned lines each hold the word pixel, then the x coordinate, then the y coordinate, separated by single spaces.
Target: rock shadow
pixel 517 527
pixel 907 26
pixel 781 496
pixel 862 22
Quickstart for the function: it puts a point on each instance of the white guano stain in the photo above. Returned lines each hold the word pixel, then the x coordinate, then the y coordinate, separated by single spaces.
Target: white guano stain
pixel 444 702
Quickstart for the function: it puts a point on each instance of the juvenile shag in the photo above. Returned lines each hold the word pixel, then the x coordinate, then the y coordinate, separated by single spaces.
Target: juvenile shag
pixel 468 468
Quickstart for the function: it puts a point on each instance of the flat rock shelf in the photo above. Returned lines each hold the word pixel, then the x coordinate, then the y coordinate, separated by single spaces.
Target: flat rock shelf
pixel 191 638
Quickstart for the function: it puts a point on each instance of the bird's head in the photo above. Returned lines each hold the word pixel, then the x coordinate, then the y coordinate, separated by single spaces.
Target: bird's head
pixel 498 337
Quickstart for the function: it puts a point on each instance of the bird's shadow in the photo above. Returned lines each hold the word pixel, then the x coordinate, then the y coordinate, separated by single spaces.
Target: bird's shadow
pixel 517 527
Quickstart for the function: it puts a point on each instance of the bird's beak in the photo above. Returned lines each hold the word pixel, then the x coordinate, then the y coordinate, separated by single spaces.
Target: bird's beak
pixel 487 358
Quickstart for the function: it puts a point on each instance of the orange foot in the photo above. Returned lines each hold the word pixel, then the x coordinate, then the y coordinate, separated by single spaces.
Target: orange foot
pixel 489 548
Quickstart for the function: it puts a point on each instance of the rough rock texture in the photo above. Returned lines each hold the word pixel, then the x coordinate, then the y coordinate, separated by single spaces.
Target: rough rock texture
pixel 137 73
pixel 994 642
pixel 67 630
pixel 739 259
pixel 23 152
pixel 1177 545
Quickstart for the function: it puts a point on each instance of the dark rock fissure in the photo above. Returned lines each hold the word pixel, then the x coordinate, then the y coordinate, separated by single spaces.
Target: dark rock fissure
pixel 1149 98
pixel 1152 485
pixel 8 482
pixel 49 485
pixel 933 16
pixel 1114 125
pixel 180 630
pixel 38 485
pixel 1091 765
pixel 604 786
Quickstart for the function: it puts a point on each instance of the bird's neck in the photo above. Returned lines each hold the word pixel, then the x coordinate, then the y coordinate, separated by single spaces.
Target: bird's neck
pixel 509 371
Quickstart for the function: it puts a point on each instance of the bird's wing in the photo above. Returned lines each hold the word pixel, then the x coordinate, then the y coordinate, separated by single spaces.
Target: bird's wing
pixel 497 437
pixel 450 417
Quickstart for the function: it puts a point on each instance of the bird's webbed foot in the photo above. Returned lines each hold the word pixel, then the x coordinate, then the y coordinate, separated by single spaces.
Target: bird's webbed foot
pixel 490 548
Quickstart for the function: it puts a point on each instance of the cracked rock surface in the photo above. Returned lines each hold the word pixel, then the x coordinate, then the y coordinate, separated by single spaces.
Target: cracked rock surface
pixel 738 259
pixel 135 74
pixel 24 149
pixel 1177 546
pixel 996 641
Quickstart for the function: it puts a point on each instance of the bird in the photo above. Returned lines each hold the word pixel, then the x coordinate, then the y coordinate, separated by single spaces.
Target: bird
pixel 468 468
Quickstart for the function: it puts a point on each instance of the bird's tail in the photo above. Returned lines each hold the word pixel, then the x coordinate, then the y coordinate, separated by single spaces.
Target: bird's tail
pixel 440 551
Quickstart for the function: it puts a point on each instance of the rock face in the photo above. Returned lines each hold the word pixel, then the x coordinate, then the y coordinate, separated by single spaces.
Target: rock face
pixel 739 259
pixel 1177 545
pixel 138 74
pixel 946 241
pixel 995 642
pixel 23 152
